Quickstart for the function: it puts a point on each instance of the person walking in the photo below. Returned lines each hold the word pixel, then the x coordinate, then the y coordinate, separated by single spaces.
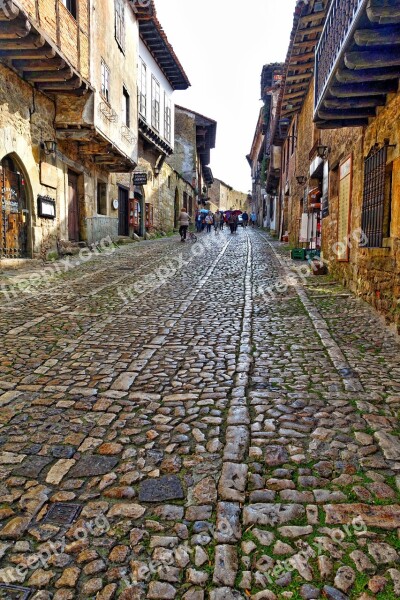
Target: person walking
pixel 184 220
pixel 253 218
pixel 198 221
pixel 217 221
pixel 209 221
pixel 232 222
pixel 222 222
pixel 245 218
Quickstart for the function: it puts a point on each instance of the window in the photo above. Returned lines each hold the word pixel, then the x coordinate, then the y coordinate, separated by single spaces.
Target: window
pixel 105 81
pixel 155 103
pixel 70 5
pixel 101 198
pixel 377 197
pixel 126 107
pixel 345 174
pixel 142 91
pixel 167 118
pixel 119 9
pixel 169 181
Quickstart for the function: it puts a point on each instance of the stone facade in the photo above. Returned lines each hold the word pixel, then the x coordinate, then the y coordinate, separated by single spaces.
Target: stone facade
pixel 29 117
pixel 372 273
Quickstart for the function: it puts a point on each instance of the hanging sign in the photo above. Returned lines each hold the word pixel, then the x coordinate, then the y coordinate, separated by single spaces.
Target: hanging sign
pixel 140 178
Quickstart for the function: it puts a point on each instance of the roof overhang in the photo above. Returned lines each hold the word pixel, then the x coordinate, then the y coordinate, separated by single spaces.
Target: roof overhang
pixel 155 39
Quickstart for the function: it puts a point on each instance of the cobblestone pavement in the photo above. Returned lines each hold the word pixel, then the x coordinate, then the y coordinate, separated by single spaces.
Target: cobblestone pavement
pixel 223 436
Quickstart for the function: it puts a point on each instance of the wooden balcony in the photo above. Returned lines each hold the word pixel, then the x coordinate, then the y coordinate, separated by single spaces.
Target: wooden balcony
pixel 34 54
pixel 357 61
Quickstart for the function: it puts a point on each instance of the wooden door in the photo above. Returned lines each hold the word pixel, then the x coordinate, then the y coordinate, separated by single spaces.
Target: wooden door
pixel 123 213
pixel 73 207
pixel 14 212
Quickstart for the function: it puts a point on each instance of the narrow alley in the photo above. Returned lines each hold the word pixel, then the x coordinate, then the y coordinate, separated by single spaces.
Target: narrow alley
pixel 185 424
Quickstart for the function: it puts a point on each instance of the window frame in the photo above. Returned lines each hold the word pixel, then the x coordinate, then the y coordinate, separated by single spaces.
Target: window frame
pixel 102 198
pixel 377 198
pixel 126 106
pixel 71 6
pixel 142 90
pixel 167 117
pixel 105 81
pixel 155 103
pixel 119 23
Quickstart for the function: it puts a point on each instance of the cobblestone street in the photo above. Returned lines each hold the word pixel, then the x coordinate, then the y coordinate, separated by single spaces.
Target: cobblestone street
pixel 223 436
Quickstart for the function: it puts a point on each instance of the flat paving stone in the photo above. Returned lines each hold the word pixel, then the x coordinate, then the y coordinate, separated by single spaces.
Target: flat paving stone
pixel 32 466
pixel 90 466
pixel 161 490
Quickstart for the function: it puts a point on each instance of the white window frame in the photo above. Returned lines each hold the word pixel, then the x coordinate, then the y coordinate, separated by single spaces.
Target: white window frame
pixel 155 103
pixel 105 80
pixel 167 117
pixel 142 90
pixel 119 16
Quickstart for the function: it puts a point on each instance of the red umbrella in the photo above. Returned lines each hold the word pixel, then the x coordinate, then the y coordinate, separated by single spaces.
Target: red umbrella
pixel 236 212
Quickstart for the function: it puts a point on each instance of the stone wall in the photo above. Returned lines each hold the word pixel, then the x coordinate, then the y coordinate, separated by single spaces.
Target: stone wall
pixel 26 119
pixel 372 273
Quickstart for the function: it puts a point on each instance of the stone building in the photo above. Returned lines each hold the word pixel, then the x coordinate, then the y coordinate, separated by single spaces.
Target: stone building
pixel 195 136
pixel 219 195
pixel 263 204
pixel 68 120
pixel 154 187
pixel 340 185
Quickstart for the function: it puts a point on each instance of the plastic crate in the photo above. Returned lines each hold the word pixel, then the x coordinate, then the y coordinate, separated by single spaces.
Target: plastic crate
pixel 298 254
pixel 311 254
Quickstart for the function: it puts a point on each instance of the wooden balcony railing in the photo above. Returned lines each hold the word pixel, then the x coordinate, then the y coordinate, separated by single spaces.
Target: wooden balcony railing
pixel 340 24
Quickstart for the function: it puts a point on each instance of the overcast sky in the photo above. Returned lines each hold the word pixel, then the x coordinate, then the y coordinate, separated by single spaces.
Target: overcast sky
pixel 223 45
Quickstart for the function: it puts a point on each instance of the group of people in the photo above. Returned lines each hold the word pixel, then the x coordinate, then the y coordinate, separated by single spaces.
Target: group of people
pixel 205 220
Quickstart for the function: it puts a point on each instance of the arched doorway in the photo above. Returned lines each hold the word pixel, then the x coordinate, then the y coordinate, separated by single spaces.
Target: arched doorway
pixel 177 209
pixel 15 210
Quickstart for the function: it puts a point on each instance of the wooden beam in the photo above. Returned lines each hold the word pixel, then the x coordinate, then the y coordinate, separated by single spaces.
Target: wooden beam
pixel 293 95
pixel 45 52
pixel 376 88
pixel 313 17
pixel 337 124
pixel 56 86
pixel 378 37
pixel 301 68
pixel 366 75
pixel 30 42
pixel 49 76
pixel 384 15
pixel 302 57
pixel 74 134
pixel 369 59
pixel 53 64
pixel 362 102
pixel 19 28
pixel 299 77
pixel 308 30
pixel 8 11
pixel 360 112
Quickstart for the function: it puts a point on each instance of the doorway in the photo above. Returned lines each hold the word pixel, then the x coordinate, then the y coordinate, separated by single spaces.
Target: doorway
pixel 123 213
pixel 14 211
pixel 73 207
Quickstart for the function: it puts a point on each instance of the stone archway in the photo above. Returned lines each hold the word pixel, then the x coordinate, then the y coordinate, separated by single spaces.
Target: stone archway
pixel 16 209
pixel 177 209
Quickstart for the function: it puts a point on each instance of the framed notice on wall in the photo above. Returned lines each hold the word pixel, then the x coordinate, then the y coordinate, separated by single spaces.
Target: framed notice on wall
pixel 345 183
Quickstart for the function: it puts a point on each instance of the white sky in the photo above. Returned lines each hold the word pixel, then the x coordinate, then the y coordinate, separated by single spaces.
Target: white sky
pixel 223 45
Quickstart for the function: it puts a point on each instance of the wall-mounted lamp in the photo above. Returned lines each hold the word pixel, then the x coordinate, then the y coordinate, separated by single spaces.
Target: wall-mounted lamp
pixel 322 151
pixel 301 179
pixel 49 146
